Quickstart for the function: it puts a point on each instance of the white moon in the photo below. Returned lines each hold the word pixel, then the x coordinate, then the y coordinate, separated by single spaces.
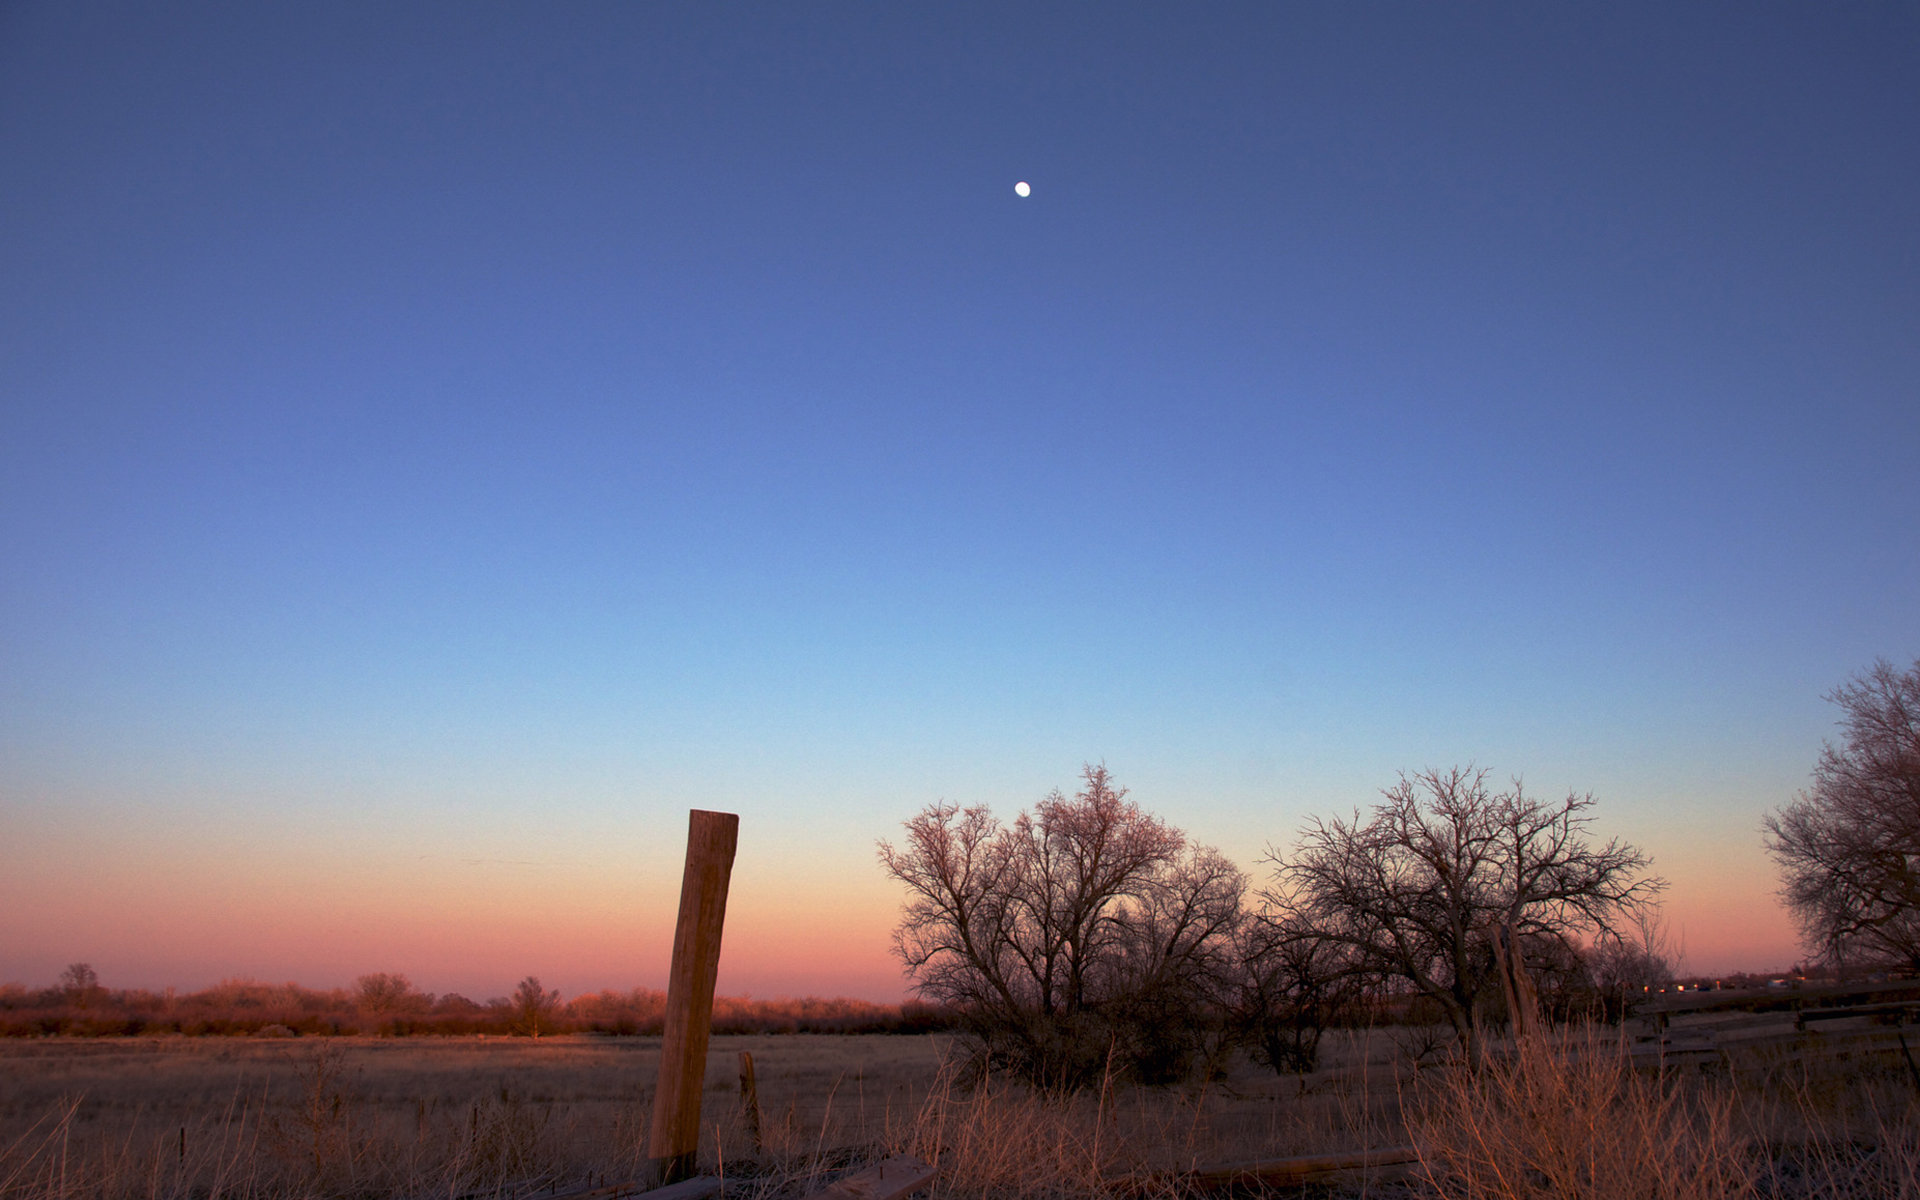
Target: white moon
pixel 1022 190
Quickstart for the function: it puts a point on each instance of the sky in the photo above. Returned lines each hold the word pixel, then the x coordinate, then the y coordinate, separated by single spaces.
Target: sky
pixel 440 445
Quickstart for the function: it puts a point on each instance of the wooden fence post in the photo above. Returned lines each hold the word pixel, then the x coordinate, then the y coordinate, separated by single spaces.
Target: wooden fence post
pixel 750 1099
pixel 711 838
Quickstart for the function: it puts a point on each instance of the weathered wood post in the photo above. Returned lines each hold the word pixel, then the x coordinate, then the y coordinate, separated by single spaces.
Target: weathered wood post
pixel 750 1099
pixel 711 838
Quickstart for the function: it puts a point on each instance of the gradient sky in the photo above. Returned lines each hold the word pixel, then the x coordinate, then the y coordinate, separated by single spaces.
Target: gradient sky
pixel 440 445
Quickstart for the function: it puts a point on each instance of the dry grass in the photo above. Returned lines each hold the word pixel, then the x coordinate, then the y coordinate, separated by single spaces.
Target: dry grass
pixel 1003 1140
pixel 175 1116
pixel 1836 1119
pixel 172 1117
pixel 209 1119
pixel 1573 1118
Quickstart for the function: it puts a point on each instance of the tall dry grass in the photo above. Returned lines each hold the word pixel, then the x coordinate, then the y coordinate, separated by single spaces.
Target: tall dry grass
pixel 1574 1118
pixel 1571 1119
pixel 1004 1140
pixel 1000 1139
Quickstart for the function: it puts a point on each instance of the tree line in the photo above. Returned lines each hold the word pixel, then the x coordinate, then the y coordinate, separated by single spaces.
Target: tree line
pixel 1087 936
pixel 388 1004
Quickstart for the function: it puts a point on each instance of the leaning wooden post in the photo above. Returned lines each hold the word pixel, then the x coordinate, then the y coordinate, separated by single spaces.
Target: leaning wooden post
pixel 711 837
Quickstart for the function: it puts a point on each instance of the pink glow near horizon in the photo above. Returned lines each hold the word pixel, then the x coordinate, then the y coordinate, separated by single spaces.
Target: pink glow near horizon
pixel 167 925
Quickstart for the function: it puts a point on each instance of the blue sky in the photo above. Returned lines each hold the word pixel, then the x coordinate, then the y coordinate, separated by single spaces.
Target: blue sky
pixel 441 444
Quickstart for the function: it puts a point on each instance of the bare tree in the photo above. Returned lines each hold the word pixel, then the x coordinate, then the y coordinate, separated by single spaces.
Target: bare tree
pixel 80 984
pixel 382 992
pixel 1063 935
pixel 1174 966
pixel 1418 891
pixel 532 1007
pixel 1290 984
pixel 1849 847
pixel 389 998
pixel 1629 964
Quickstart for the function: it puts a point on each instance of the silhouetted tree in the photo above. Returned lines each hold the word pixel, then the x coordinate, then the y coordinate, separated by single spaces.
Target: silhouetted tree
pixel 532 1007
pixel 1625 967
pixel 387 999
pixel 1417 891
pixel 79 985
pixel 1290 985
pixel 1849 847
pixel 1173 967
pixel 1082 930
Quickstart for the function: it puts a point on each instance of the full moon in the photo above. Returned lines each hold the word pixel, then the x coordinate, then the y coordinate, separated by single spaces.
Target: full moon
pixel 1021 189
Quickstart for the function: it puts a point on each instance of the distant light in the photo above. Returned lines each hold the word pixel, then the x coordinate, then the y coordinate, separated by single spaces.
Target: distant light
pixel 1022 190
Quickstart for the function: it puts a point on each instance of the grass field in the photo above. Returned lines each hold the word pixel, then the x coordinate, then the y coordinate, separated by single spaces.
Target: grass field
pixel 416 1117
pixel 161 1116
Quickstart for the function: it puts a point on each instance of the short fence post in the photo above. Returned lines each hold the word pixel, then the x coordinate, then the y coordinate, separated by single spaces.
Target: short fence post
pixel 750 1098
pixel 711 838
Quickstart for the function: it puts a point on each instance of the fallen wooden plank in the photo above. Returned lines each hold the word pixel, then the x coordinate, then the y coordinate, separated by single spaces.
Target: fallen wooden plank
pixel 612 1191
pixel 1673 1058
pixel 1897 1008
pixel 700 1187
pixel 1298 1171
pixel 890 1179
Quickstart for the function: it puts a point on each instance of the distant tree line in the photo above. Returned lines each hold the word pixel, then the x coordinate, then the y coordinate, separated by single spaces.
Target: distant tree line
pixel 388 1005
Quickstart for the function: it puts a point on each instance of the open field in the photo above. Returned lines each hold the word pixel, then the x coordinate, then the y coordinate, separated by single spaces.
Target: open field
pixel 579 1102
pixel 373 1115
pixel 178 1117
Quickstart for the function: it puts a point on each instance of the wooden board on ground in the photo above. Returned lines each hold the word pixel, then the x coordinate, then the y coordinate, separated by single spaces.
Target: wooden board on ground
pixel 700 1187
pixel 890 1179
pixel 1388 1162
